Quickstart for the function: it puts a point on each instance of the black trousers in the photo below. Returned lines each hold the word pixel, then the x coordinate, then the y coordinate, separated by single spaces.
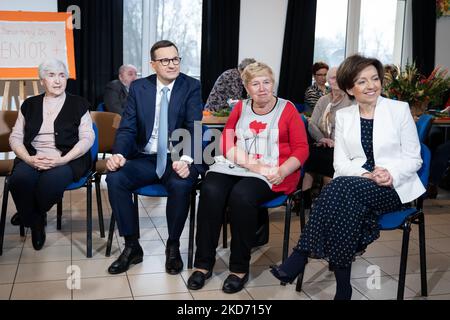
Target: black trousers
pixel 139 172
pixel 243 195
pixel 35 192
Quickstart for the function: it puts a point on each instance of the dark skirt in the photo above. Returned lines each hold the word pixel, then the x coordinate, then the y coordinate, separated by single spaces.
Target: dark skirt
pixel 320 161
pixel 344 219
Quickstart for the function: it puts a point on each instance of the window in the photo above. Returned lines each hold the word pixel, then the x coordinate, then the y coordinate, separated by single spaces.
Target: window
pixel 372 28
pixel 132 33
pixel 147 21
pixel 331 22
pixel 379 21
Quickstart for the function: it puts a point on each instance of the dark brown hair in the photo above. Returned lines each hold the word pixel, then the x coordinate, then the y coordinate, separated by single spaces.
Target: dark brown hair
pixel 352 66
pixel 319 65
pixel 161 44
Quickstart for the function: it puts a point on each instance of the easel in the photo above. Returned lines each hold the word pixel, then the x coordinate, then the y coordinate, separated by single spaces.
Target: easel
pixel 6 105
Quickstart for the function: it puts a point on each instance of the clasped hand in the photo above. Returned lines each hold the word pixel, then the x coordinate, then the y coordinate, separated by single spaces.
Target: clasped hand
pixel 325 142
pixel 273 174
pixel 381 176
pixel 45 162
pixel 117 161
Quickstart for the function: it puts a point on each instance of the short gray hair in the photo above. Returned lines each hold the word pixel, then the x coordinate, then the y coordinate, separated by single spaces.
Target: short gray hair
pixel 245 63
pixel 124 67
pixel 52 65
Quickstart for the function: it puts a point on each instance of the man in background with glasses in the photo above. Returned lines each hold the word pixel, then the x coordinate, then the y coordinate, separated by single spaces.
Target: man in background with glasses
pixel 157 105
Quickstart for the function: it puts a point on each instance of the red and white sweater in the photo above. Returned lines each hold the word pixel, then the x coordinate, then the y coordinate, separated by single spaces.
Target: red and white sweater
pixel 271 138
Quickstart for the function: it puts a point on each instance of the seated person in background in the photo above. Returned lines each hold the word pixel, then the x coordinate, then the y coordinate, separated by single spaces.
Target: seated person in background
pixel 51 139
pixel 116 91
pixel 263 145
pixel 321 129
pixel 376 159
pixel 228 86
pixel 318 88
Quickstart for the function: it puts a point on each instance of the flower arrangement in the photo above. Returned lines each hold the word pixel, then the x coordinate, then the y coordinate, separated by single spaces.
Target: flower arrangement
pixel 419 91
pixel 442 7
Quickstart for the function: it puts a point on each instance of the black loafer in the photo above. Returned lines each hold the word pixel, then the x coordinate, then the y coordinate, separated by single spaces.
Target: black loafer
pixel 38 237
pixel 174 263
pixel 197 279
pixel 234 284
pixel 129 256
pixel 15 219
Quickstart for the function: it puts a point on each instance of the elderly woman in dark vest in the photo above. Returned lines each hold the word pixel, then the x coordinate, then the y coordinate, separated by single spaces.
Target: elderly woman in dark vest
pixel 51 139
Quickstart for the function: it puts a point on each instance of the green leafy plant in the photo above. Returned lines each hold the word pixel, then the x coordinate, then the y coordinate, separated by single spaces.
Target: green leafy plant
pixel 416 89
pixel 222 113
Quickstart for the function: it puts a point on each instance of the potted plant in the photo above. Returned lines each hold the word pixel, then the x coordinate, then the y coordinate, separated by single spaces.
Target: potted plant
pixel 419 91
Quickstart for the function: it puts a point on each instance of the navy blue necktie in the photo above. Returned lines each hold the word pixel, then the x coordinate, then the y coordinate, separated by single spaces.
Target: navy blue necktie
pixel 161 159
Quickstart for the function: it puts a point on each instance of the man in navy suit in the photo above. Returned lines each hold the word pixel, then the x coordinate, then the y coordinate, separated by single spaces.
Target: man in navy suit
pixel 167 100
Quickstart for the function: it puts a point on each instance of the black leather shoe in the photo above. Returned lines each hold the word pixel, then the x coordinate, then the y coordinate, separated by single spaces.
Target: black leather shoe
pixel 15 219
pixel 38 237
pixel 174 263
pixel 129 256
pixel 197 279
pixel 234 284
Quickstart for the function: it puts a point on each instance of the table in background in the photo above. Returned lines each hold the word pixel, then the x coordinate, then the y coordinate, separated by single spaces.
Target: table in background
pixel 442 123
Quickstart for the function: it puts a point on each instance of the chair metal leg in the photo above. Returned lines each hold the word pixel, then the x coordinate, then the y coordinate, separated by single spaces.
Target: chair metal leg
pixel 136 211
pixel 98 194
pixel 89 220
pixel 287 228
pixel 423 256
pixel 3 214
pixel 191 229
pixel 302 215
pixel 110 236
pixel 58 214
pixel 403 261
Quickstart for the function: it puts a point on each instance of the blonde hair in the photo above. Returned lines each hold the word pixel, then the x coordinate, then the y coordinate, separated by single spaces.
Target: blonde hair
pixel 256 69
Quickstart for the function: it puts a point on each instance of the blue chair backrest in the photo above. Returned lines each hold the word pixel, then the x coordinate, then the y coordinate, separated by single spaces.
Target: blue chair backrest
pixel 423 126
pixel 305 121
pixel 300 107
pixel 206 136
pixel 424 171
pixel 94 148
pixel 101 106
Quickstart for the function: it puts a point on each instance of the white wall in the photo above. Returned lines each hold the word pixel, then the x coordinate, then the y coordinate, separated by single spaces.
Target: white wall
pixel 29 5
pixel 443 42
pixel 262 31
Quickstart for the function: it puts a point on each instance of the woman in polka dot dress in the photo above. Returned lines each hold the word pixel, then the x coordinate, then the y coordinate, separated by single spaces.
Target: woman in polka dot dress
pixel 376 159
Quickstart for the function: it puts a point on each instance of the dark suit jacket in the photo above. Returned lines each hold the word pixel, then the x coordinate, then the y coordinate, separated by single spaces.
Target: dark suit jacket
pixel 115 97
pixel 136 127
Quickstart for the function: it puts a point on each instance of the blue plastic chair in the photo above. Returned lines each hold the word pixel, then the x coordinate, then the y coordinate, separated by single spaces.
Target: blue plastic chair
pixel 402 220
pixel 300 107
pixel 423 126
pixel 86 181
pixel 101 106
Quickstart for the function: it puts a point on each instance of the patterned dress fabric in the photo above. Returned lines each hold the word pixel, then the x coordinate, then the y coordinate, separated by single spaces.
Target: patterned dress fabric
pixel 343 220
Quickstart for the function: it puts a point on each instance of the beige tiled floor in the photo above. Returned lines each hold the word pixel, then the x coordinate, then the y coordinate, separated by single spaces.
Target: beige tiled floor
pixel 29 274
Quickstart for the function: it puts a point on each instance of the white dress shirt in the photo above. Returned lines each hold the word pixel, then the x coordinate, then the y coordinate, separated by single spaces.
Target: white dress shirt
pixel 152 144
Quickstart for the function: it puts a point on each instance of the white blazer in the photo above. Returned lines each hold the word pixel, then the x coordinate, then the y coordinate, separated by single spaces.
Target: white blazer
pixel 396 146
